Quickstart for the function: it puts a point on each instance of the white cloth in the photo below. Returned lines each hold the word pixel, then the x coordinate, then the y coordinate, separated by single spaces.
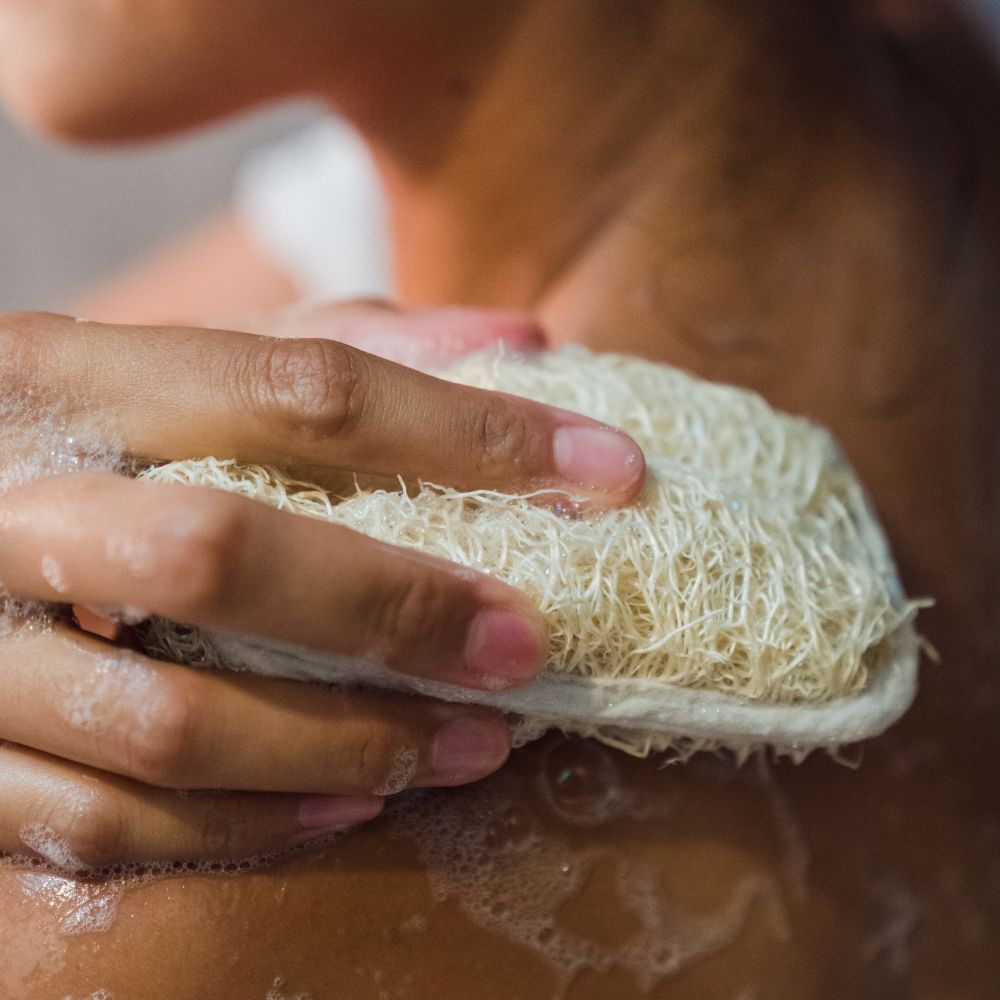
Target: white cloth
pixel 314 204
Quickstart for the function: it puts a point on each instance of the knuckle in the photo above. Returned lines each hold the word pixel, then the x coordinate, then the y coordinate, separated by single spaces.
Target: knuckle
pixel 194 552
pixel 365 762
pixel 159 746
pixel 95 834
pixel 86 830
pixel 313 389
pixel 501 435
pixel 411 611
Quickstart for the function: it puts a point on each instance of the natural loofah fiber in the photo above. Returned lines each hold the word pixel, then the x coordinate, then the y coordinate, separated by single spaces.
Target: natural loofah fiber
pixel 747 598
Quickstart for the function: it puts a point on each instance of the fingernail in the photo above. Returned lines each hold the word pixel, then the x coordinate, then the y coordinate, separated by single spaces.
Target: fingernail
pixel 96 623
pixel 597 459
pixel 335 812
pixel 466 749
pixel 504 648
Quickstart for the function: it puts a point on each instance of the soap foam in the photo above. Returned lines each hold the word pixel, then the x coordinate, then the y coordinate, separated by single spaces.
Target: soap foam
pixel 404 767
pixel 39 439
pixel 128 614
pixel 48 844
pixel 133 552
pixel 59 860
pixel 53 575
pixel 115 680
pixel 80 907
pixel 275 992
pixel 485 848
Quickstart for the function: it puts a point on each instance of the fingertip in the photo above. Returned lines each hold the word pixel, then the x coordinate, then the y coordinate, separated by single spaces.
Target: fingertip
pixel 631 486
pixel 607 464
pixel 504 648
pixel 467 749
pixel 331 813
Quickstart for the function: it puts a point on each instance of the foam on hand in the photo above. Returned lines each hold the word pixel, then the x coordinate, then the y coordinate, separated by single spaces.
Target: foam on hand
pixel 748 598
pixel 40 438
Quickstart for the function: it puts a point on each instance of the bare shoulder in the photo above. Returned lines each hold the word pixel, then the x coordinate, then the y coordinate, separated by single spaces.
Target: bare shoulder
pixel 574 873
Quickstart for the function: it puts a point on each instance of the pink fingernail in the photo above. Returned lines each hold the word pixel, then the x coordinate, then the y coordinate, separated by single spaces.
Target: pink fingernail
pixel 504 648
pixel 96 623
pixel 596 458
pixel 467 749
pixel 335 812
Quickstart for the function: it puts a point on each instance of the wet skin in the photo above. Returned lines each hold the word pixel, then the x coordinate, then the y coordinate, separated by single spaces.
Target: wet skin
pixel 810 881
pixel 867 301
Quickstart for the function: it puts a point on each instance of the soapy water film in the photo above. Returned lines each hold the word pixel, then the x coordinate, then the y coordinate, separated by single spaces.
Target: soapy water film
pixel 511 861
pixel 515 852
pixel 39 439
pixel 506 863
pixel 483 847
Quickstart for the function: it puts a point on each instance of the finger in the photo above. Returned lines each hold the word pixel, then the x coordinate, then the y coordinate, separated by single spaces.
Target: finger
pixel 428 340
pixel 80 819
pixel 174 727
pixel 187 394
pixel 206 557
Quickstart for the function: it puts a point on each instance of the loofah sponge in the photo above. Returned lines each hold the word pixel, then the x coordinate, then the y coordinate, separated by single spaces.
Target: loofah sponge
pixel 748 598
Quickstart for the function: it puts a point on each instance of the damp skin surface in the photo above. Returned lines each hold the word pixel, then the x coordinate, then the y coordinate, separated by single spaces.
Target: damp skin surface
pixel 552 879
pixel 575 873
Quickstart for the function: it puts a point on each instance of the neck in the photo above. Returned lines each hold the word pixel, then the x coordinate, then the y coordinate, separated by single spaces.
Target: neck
pixel 514 148
pixel 762 193
pixel 529 154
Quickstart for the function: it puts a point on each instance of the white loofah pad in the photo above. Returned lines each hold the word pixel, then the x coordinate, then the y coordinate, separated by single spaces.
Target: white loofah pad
pixel 747 599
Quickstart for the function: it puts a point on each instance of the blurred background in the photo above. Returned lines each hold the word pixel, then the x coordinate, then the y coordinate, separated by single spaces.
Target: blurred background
pixel 69 217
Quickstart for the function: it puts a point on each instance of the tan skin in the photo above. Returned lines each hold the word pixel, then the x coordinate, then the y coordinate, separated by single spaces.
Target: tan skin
pixel 747 209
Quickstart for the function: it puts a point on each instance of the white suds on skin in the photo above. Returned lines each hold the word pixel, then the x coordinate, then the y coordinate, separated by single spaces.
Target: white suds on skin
pixel 128 614
pixel 53 575
pixel 484 848
pixel 115 681
pixel 80 907
pixel 45 842
pixel 275 992
pixel 404 767
pixel 40 439
pixel 133 552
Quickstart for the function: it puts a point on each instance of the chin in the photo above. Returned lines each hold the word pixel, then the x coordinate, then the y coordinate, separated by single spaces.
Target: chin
pixel 82 114
pixel 65 121
pixel 59 104
pixel 99 71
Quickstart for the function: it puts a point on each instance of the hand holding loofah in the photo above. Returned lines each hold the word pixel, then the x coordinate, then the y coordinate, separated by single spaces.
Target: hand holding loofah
pixel 748 597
